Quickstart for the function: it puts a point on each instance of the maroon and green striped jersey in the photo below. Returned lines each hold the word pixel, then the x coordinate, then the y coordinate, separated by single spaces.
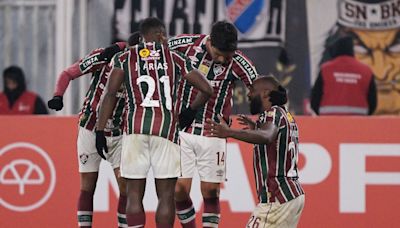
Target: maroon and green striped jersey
pixel 89 113
pixel 275 164
pixel 222 78
pixel 152 73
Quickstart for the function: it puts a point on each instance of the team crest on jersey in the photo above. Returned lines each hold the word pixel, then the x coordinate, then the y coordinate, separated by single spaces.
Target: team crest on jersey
pixel 83 158
pixel 218 69
pixel 244 13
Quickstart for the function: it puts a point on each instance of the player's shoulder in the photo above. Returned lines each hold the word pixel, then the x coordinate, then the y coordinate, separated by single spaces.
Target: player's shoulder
pixel 242 63
pixel 185 40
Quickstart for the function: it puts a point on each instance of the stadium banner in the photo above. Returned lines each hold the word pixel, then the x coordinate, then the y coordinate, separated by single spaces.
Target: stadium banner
pixel 375 28
pixel 259 22
pixel 349 167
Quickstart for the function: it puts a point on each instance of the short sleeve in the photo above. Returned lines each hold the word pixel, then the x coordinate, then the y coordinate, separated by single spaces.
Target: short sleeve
pixel 272 115
pixel 182 62
pixel 91 62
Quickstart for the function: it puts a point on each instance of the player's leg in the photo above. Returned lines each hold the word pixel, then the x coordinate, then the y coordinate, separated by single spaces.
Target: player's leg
pixel 211 155
pixel 85 201
pixel 259 216
pixel 165 163
pixel 277 215
pixel 212 212
pixel 135 163
pixel 296 208
pixel 121 209
pixel 165 214
pixel 89 163
pixel 114 157
pixel 135 214
pixel 184 205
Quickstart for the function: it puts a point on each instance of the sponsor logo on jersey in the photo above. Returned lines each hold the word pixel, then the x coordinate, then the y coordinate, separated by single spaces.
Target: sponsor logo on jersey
pixel 193 59
pixel 88 62
pixel 220 173
pixel 180 41
pixel 147 54
pixel 215 83
pixel 246 65
pixel 204 69
pixel 144 53
pixel 198 49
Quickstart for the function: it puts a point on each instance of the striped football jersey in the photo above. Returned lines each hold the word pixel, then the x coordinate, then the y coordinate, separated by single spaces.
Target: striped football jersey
pixel 221 76
pixel 88 115
pixel 152 74
pixel 275 164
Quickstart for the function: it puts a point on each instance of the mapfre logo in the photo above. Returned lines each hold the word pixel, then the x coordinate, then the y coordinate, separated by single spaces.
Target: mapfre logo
pixel 27 177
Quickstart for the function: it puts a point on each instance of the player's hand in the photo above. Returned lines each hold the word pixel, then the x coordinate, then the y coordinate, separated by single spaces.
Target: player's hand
pixel 101 144
pixel 186 117
pixel 278 97
pixel 214 129
pixel 56 103
pixel 247 122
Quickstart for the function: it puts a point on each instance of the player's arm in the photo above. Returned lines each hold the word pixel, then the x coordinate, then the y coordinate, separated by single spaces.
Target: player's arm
pixel 110 98
pixel 89 64
pixel 244 69
pixel 106 109
pixel 197 80
pixel 69 74
pixel 266 134
pixel 175 44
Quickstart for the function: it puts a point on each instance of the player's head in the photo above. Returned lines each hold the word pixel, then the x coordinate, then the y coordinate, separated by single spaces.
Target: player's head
pixel 134 39
pixel 224 41
pixel 14 79
pixel 153 30
pixel 260 93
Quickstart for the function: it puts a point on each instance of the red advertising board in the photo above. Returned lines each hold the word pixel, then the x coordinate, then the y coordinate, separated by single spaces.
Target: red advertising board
pixel 349 167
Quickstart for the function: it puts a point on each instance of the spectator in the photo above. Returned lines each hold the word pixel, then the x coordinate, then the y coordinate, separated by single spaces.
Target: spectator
pixel 15 99
pixel 344 85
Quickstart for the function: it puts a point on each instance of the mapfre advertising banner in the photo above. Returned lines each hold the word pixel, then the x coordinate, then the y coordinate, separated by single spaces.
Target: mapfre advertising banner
pixel 349 167
pixel 259 22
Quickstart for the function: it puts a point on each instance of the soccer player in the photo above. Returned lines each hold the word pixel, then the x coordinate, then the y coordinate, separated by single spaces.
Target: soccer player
pixel 150 73
pixel 215 55
pixel 96 63
pixel 276 147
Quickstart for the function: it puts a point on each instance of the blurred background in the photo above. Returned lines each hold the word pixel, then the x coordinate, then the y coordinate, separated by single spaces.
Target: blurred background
pixel 44 36
pixel 285 37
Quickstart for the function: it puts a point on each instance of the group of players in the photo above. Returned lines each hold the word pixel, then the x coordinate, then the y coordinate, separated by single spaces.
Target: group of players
pixel 166 105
